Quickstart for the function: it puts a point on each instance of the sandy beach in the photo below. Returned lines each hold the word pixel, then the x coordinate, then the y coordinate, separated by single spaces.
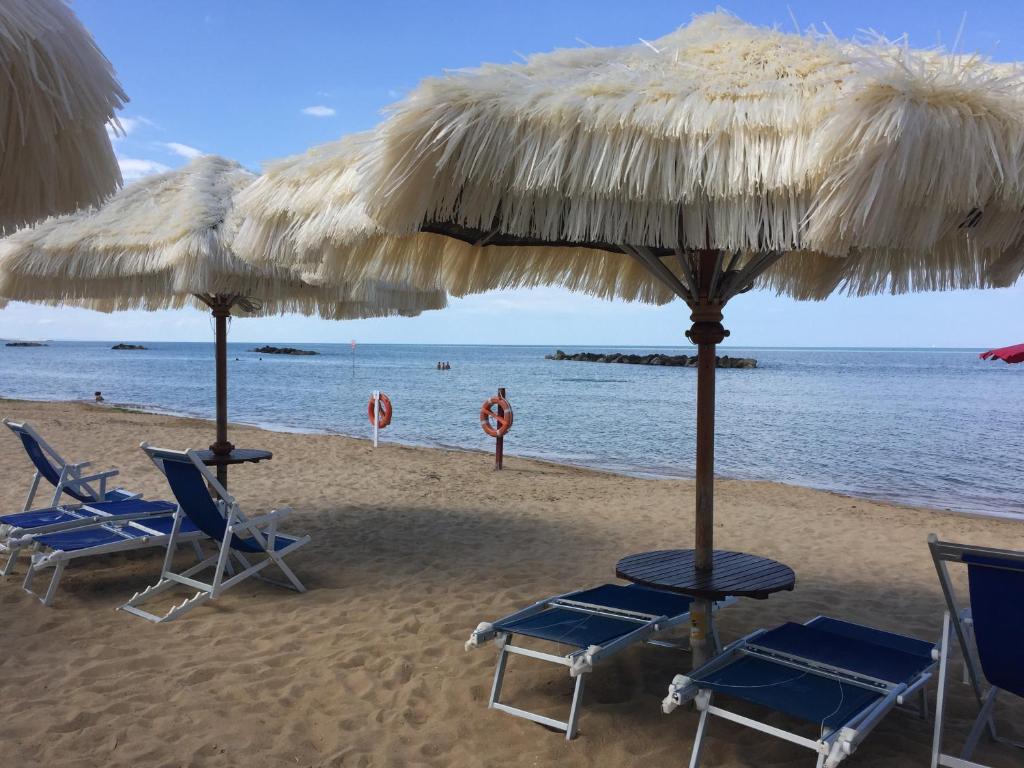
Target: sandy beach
pixel 411 549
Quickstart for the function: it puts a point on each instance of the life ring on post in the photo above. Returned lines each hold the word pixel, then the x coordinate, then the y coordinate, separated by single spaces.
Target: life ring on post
pixel 496 416
pixel 385 411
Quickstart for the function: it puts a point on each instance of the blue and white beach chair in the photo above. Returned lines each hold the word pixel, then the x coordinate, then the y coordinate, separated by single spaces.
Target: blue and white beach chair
pixel 996 584
pixel 56 550
pixel 841 677
pixel 592 625
pixel 222 520
pixel 63 476
pixel 19 531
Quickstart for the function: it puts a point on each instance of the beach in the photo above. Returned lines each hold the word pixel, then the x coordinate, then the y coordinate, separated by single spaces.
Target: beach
pixel 411 548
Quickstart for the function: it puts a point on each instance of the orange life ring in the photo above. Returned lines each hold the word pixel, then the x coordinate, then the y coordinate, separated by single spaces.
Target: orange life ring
pixel 498 410
pixel 385 411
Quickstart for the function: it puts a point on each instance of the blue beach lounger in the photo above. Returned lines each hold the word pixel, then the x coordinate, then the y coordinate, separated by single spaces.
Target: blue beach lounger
pixel 56 550
pixel 589 626
pixel 841 677
pixel 996 618
pixel 63 476
pixel 19 531
pixel 222 520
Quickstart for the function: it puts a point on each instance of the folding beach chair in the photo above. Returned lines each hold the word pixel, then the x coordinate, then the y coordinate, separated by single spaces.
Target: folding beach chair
pixel 221 520
pixel 996 621
pixel 19 531
pixel 64 477
pixel 842 677
pixel 56 550
pixel 592 624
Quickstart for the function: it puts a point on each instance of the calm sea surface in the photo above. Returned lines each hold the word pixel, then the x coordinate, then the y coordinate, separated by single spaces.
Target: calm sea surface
pixel 932 427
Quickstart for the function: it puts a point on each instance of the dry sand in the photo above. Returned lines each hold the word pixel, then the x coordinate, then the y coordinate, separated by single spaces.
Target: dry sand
pixel 411 548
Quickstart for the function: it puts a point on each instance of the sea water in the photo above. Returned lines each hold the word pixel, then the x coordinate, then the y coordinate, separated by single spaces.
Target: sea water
pixel 933 427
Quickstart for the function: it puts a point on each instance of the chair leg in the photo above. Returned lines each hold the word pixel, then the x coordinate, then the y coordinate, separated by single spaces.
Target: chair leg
pixel 58 571
pixel 698 739
pixel 11 560
pixel 29 578
pixel 199 551
pixel 574 710
pixel 984 719
pixel 289 574
pixel 940 696
pixel 499 677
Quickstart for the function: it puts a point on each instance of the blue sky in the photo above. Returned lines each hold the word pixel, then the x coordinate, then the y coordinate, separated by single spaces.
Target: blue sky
pixel 260 79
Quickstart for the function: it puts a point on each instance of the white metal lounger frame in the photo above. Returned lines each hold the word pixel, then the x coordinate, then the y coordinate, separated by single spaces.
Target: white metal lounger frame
pixel 580 661
pixel 58 559
pixel 19 539
pixel 262 529
pixel 70 474
pixel 834 744
pixel 942 553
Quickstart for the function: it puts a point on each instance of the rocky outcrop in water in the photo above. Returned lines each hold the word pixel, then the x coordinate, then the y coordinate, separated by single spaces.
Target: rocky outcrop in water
pixel 128 346
pixel 678 361
pixel 284 351
pixel 24 344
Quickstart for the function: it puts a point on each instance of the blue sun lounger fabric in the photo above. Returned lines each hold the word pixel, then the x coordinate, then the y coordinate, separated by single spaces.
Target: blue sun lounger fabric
pixel 21 529
pixel 220 518
pixel 841 677
pixel 56 550
pixel 65 477
pixel 995 620
pixel 588 625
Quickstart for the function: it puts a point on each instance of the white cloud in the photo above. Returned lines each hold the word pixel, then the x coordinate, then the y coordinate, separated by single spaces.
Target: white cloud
pixel 133 169
pixel 128 126
pixel 183 150
pixel 318 111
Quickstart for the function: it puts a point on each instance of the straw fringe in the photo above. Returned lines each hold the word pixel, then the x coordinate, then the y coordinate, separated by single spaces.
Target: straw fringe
pixel 167 237
pixel 57 93
pixel 876 168
pixel 727 136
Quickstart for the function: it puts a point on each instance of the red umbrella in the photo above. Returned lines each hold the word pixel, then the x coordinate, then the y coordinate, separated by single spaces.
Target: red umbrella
pixel 1014 354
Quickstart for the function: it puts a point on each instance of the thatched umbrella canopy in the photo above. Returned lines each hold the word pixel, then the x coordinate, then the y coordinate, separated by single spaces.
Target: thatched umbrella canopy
pixel 719 157
pixel 57 95
pixel 168 240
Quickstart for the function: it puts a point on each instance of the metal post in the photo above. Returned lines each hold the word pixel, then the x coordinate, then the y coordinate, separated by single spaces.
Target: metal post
pixel 499 443
pixel 707 332
pixel 376 416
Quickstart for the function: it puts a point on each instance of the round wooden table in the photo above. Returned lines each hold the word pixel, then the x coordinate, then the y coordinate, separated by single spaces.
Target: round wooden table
pixel 733 574
pixel 237 456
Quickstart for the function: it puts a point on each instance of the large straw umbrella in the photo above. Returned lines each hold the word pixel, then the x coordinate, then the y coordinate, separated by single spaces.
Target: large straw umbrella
pixel 57 95
pixel 167 240
pixel 719 157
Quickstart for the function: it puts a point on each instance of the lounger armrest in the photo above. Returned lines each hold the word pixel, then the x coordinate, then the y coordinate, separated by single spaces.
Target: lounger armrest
pixel 90 478
pixel 261 521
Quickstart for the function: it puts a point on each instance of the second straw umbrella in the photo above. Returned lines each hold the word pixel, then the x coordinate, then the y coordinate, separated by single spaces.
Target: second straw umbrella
pixel 167 241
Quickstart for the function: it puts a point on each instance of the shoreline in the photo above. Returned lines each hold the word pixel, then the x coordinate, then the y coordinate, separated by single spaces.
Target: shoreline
pixel 637 474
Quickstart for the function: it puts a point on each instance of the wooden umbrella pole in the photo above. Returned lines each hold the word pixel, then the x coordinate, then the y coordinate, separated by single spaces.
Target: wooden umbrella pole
pixel 221 309
pixel 707 332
